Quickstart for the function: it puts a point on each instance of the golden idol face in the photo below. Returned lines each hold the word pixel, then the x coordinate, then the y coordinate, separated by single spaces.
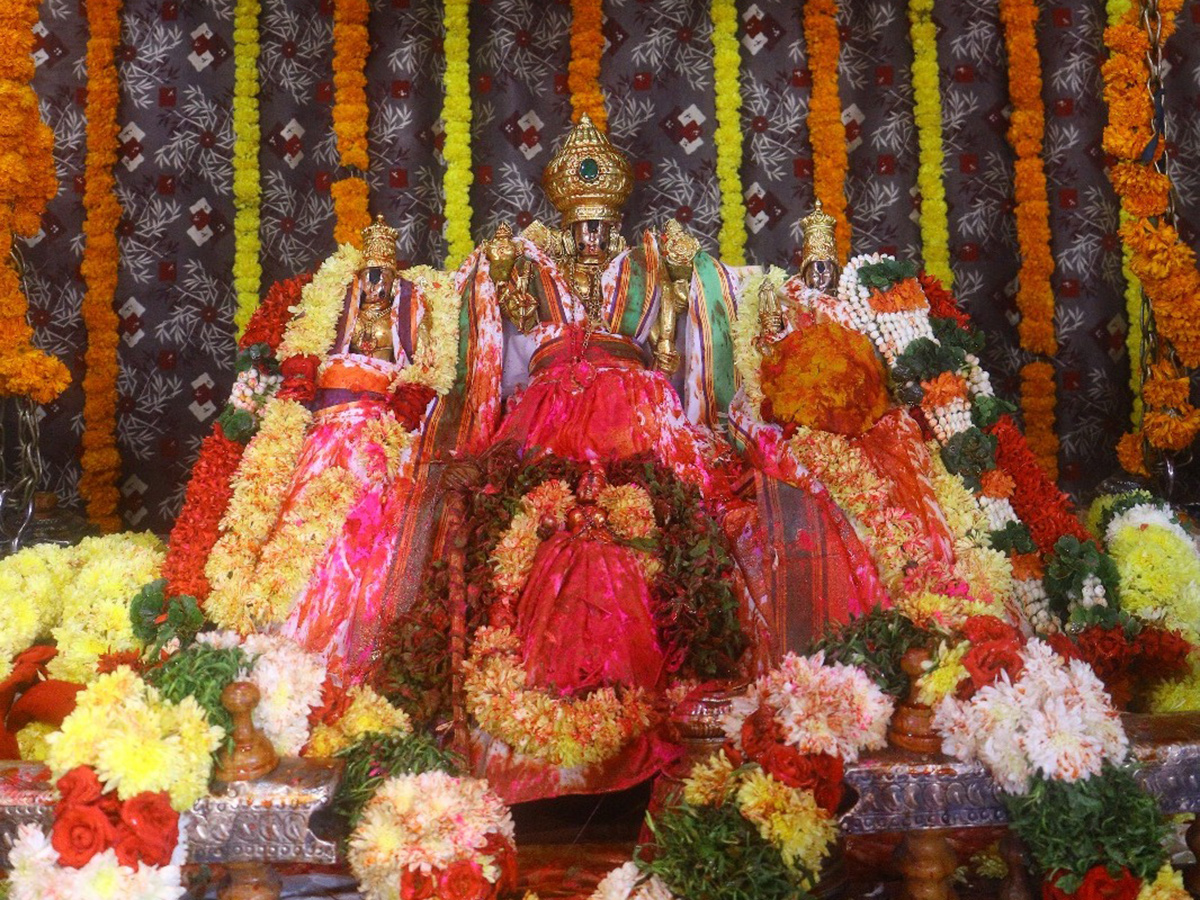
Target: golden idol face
pixel 820 275
pixel 591 237
pixel 377 286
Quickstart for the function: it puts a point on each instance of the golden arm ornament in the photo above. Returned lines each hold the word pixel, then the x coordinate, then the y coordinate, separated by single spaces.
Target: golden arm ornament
pixel 679 249
pixel 510 274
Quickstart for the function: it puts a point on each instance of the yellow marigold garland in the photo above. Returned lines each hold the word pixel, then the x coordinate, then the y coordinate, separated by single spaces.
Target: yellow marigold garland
pixel 1157 259
pixel 247 270
pixel 728 139
pixel 27 182
pixel 456 113
pixel 101 460
pixel 351 45
pixel 927 113
pixel 1035 296
pixel 826 132
pixel 583 71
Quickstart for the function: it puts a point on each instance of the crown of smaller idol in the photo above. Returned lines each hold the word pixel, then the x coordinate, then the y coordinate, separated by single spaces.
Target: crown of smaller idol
pixel 588 178
pixel 819 240
pixel 379 245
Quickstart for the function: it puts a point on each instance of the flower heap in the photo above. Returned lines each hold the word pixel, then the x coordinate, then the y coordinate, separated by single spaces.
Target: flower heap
pixel 768 799
pixel 79 596
pixel 433 834
pixel 209 490
pixel 1157 256
pixel 27 182
pixel 1053 742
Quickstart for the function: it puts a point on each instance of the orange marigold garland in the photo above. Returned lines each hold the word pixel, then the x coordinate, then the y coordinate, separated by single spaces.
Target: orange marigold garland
pixel 583 71
pixel 827 134
pixel 27 181
pixel 1035 296
pixel 1160 260
pixel 351 45
pixel 101 461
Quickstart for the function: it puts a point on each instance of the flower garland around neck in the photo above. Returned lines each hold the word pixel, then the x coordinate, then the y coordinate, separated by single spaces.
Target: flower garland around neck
pixel 1157 257
pixel 247 269
pixel 351 45
pixel 561 731
pixel 727 62
pixel 827 133
pixel 25 371
pixel 583 71
pixel 747 330
pixel 1035 295
pixel 456 114
pixel 927 113
pixel 101 460
pixel 435 359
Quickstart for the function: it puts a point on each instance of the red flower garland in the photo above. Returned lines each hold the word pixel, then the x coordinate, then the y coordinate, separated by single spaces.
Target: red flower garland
pixel 942 303
pixel 1036 499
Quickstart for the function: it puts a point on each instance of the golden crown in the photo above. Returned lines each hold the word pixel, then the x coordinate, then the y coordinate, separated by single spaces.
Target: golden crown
pixel 588 178
pixel 819 240
pixel 379 245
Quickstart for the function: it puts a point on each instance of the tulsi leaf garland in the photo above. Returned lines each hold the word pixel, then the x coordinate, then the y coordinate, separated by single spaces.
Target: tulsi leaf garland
pixel 728 137
pixel 827 134
pixel 25 187
pixel 583 71
pixel 456 114
pixel 101 460
pixel 247 269
pixel 1035 295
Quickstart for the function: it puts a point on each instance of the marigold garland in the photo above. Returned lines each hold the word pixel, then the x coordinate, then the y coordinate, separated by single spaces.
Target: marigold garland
pixel 101 460
pixel 351 45
pixel 247 269
pixel 1035 295
pixel 27 182
pixel 827 134
pixel 728 138
pixel 456 114
pixel 927 114
pixel 351 209
pixel 583 71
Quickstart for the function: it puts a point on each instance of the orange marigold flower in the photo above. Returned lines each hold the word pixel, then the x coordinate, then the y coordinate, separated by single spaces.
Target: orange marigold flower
pixel 997 483
pixel 943 389
pixel 1026 566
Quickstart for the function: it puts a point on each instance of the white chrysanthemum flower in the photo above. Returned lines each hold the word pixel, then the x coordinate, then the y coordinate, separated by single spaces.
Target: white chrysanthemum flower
pixel 289 680
pixel 618 884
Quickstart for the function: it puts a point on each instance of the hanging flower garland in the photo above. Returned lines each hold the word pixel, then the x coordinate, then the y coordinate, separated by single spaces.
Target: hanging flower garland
pixel 728 138
pixel 1035 296
pixel 351 45
pixel 25 187
pixel 1157 258
pixel 456 114
pixel 827 133
pixel 247 270
pixel 101 460
pixel 927 113
pixel 583 71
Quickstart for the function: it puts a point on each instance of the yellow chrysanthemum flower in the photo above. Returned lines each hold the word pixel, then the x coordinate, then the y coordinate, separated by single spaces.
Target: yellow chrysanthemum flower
pixel 711 782
pixel 791 820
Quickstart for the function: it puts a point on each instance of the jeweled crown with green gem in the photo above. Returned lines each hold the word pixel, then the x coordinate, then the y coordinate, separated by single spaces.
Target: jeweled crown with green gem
pixel 588 178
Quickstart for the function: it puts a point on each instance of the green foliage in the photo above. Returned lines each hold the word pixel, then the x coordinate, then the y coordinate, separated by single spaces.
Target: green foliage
pixel 1071 562
pixel 413 671
pixel 924 359
pixel 1106 819
pixel 950 334
pixel 202 672
pixel 970 453
pixel 874 642
pixel 712 853
pixel 156 621
pixel 374 758
pixel 1014 537
pixel 882 275
pixel 237 424
pixel 986 410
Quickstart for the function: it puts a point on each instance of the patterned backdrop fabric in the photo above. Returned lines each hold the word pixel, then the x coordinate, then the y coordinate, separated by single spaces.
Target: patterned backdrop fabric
pixel 175 296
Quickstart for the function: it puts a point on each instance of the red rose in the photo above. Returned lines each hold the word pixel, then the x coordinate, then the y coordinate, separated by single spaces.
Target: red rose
pixel 978 629
pixel 759 732
pixel 79 787
pixel 149 829
pixel 463 880
pixel 1160 654
pixel 1097 884
pixel 79 833
pixel 408 403
pixel 299 378
pixel 501 850
pixel 828 787
pixel 816 772
pixel 416 885
pixel 987 659
pixel 784 763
